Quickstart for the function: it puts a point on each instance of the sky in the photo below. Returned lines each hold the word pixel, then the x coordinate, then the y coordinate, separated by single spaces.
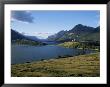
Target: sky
pixel 45 23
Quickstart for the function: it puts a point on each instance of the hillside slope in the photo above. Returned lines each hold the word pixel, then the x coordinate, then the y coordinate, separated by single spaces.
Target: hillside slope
pixel 78 33
pixel 19 38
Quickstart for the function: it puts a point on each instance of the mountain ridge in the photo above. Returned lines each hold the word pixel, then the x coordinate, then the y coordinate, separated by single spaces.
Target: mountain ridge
pixel 78 32
pixel 19 38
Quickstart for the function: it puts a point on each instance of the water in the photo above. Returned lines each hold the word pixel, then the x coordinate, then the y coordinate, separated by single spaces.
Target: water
pixel 22 54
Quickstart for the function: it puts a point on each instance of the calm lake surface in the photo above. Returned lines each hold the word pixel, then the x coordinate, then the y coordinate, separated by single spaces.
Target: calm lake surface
pixel 22 54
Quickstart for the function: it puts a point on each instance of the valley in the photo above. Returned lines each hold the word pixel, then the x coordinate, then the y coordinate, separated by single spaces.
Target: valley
pixel 75 52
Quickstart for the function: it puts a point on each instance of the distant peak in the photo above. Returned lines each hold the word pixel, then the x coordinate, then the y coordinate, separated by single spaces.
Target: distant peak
pixel 79 25
pixel 84 26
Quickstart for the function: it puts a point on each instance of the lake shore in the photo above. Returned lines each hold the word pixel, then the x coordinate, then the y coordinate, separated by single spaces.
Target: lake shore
pixel 79 66
pixel 78 45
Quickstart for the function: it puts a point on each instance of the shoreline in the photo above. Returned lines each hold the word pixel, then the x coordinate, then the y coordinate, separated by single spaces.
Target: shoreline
pixel 59 57
pixel 83 65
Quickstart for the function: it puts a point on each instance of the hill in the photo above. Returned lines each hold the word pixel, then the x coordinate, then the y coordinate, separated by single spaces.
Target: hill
pixel 78 33
pixel 16 35
pixel 32 38
pixel 18 38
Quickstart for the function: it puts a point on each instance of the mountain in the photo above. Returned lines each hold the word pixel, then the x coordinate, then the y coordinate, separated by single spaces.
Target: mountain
pixel 32 38
pixel 17 37
pixel 78 33
pixel 57 36
pixel 80 29
pixel 94 35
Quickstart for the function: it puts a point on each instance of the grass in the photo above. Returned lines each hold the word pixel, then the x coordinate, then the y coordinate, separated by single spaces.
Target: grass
pixel 78 45
pixel 78 66
pixel 69 44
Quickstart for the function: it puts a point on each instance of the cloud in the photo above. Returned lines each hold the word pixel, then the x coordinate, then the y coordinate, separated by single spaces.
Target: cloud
pixel 23 16
pixel 43 35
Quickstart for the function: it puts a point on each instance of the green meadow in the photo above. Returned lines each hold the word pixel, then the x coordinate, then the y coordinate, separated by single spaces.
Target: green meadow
pixel 78 66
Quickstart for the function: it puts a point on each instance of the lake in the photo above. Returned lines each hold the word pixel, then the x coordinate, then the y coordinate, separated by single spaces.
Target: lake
pixel 22 54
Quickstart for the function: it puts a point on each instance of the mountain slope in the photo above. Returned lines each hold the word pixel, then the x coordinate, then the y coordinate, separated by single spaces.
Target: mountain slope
pixel 16 35
pixel 19 38
pixel 79 33
pixel 57 36
pixel 33 38
pixel 79 29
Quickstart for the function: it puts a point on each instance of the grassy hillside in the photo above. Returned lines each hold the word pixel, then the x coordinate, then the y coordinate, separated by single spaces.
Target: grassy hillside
pixel 70 44
pixel 78 66
pixel 80 45
pixel 92 36
pixel 79 33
